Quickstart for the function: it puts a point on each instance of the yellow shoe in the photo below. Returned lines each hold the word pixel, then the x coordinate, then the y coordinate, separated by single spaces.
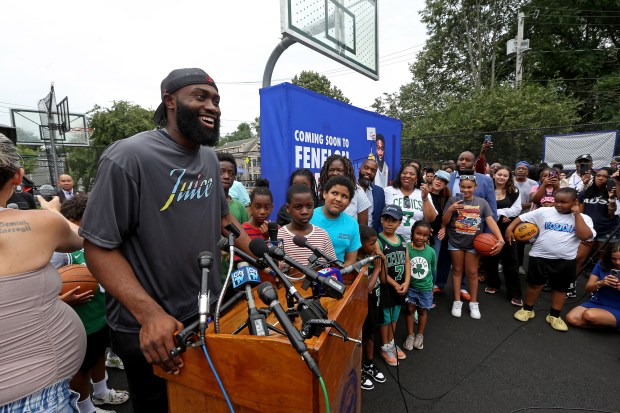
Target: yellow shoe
pixel 557 323
pixel 524 315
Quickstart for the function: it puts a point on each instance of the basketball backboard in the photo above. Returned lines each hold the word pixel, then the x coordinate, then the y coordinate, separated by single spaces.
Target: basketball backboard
pixel 344 30
pixel 29 131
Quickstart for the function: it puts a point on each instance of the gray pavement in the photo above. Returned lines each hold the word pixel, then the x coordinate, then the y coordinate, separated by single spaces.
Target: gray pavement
pixel 495 364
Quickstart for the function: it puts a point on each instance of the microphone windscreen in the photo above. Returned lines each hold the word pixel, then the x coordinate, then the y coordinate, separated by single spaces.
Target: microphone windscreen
pixel 267 293
pixel 300 241
pixel 331 272
pixel 259 247
pixel 272 227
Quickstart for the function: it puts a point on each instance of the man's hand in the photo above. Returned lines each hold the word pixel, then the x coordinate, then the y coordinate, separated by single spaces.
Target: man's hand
pixel 157 339
pixel 53 205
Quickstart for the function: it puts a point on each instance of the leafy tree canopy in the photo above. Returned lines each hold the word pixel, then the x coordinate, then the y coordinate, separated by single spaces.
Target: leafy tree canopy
pixel 319 83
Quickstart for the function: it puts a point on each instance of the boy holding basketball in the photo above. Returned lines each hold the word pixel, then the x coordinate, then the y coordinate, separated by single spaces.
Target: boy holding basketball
pixel 552 258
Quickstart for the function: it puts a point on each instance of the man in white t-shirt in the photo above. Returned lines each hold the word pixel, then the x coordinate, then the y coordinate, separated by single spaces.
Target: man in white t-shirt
pixel 553 255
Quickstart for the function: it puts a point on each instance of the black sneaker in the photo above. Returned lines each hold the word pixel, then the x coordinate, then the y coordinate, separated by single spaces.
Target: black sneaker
pixel 367 384
pixel 372 371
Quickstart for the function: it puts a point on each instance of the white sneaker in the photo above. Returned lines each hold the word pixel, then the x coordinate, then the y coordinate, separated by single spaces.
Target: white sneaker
pixel 457 307
pixel 474 311
pixel 114 362
pixel 112 397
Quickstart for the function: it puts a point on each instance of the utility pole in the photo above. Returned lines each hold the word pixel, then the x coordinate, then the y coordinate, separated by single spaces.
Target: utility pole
pixel 519 59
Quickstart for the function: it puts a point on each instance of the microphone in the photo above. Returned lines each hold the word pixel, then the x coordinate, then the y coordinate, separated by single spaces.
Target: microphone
pixel 272 228
pixel 303 243
pixel 333 287
pixel 242 280
pixel 223 245
pixel 357 266
pixel 205 260
pixel 260 249
pixel 268 295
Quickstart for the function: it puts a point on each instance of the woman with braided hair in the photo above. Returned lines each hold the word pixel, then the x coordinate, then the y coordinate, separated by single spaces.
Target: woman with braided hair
pixel 338 165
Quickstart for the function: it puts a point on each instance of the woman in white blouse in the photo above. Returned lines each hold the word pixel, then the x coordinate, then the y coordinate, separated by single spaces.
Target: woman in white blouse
pixel 413 198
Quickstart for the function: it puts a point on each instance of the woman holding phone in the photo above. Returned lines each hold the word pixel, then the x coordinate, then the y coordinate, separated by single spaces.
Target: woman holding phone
pixel 596 202
pixel 543 195
pixel 603 309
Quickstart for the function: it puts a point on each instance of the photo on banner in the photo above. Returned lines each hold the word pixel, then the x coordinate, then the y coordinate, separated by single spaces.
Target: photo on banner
pixel 301 129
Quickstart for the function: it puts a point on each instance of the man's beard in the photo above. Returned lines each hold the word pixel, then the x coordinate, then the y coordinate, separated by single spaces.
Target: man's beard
pixel 363 181
pixel 191 127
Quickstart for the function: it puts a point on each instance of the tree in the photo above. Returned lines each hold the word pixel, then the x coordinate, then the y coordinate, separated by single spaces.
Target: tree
pixel 122 120
pixel 466 38
pixel 503 108
pixel 320 84
pixel 574 43
pixel 244 131
pixel 29 157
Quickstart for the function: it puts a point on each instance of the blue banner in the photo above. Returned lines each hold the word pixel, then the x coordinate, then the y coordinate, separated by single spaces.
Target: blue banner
pixel 300 129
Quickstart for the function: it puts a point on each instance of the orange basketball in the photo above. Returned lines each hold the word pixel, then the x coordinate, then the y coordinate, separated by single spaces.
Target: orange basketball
pixel 525 231
pixel 77 275
pixel 484 243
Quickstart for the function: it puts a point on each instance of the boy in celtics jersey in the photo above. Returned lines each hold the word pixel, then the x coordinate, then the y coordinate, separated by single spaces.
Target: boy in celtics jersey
pixel 396 257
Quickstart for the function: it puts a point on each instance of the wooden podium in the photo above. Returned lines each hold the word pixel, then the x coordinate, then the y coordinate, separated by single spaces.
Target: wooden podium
pixel 266 374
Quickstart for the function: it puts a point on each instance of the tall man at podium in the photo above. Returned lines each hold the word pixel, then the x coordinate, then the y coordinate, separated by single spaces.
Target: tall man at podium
pixel 156 200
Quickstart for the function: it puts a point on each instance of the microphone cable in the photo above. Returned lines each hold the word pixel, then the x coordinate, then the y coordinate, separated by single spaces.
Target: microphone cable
pixel 217 377
pixel 327 408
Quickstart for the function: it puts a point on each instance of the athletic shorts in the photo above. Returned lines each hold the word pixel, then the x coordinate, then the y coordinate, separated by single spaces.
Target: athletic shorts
pixel 390 315
pixel 374 318
pixel 557 273
pixel 421 299
pixel 614 311
pixel 96 343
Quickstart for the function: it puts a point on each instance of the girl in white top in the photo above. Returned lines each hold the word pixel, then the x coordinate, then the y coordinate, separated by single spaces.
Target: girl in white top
pixel 411 197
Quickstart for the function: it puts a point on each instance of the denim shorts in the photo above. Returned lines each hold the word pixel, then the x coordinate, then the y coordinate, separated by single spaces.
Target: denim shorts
pixel 56 398
pixel 390 314
pixel 453 248
pixel 422 299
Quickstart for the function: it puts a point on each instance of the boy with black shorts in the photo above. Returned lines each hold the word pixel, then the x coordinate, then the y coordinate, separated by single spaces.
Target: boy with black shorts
pixel 553 255
pixel 376 277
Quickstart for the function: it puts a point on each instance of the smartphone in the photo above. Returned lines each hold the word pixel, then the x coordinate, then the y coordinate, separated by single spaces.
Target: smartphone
pixel 553 174
pixel 460 196
pixel 615 272
pixel 487 138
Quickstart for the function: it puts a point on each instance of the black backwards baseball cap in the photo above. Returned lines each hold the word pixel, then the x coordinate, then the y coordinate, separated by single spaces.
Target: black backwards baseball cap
pixel 584 157
pixel 177 79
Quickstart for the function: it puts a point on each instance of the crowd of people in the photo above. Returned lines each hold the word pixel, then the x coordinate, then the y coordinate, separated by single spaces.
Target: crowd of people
pixel 159 195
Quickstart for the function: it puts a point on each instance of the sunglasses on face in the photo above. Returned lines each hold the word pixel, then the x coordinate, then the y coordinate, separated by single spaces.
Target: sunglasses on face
pixel 467 177
pixel 407 202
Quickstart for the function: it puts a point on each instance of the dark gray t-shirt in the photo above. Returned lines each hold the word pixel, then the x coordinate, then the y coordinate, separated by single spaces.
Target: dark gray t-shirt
pixel 468 222
pixel 160 204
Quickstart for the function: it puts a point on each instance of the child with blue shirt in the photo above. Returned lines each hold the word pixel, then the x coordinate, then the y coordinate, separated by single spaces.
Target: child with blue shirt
pixel 342 229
